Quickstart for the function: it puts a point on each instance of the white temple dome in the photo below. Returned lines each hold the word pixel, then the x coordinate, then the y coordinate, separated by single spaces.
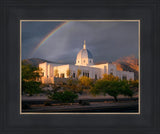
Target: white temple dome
pixel 84 57
pixel 84 53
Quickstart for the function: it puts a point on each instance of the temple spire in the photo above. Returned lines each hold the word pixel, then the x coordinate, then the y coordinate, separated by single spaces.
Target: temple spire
pixel 84 46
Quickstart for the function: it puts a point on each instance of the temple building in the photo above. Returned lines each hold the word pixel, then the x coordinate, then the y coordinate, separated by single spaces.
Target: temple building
pixel 84 66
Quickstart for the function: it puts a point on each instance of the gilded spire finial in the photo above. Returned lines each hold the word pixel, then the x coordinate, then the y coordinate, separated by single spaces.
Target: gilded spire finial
pixel 84 46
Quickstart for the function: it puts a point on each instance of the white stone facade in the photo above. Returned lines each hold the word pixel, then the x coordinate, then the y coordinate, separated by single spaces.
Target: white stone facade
pixel 85 64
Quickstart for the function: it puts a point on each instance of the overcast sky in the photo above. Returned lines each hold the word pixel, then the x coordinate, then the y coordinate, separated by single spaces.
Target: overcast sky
pixel 107 41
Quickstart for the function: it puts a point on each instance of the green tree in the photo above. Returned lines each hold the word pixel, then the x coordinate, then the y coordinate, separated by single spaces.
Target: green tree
pixel 114 89
pixel 30 72
pixel 99 86
pixel 111 87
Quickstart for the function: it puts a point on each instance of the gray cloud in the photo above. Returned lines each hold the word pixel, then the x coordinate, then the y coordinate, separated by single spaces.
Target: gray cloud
pixel 107 41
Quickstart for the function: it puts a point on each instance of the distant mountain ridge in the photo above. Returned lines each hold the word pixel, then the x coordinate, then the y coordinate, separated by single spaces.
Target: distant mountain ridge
pixel 36 61
pixel 128 63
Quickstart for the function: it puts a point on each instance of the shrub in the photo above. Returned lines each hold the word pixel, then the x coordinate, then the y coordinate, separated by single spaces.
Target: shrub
pixel 64 97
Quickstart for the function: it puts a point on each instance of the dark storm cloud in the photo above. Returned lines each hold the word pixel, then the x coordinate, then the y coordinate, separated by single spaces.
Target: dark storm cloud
pixel 33 33
pixel 107 41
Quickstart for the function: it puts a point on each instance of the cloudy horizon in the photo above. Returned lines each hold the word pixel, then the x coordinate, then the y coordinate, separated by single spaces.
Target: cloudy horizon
pixel 107 41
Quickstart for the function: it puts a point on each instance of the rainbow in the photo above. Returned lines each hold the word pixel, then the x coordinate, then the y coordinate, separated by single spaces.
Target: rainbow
pixel 47 37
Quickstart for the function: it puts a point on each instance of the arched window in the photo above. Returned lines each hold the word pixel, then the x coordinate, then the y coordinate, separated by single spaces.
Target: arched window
pixel 78 61
pixel 90 61
pixel 84 61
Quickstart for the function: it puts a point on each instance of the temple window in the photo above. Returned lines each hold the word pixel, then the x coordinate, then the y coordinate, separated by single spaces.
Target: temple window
pixel 74 75
pixel 111 71
pixel 124 78
pixel 95 76
pixel 86 74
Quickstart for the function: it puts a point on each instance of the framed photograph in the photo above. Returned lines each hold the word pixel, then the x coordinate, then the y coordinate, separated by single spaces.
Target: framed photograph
pixel 59 76
pixel 80 67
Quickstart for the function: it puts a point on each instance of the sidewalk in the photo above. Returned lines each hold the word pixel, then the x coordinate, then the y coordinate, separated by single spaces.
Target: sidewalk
pixel 81 97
